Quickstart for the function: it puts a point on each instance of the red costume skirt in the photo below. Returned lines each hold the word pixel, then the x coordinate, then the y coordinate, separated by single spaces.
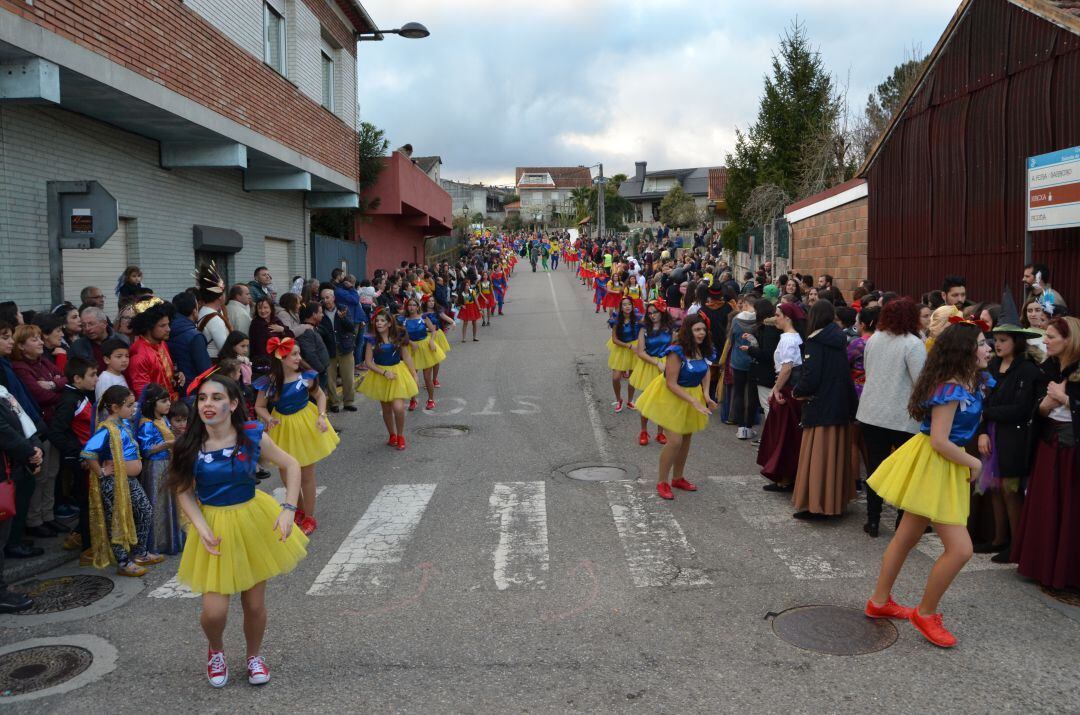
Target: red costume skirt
pixel 470 311
pixel 781 437
pixel 612 300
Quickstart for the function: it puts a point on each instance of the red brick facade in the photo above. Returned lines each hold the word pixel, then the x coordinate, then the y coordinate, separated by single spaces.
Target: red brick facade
pixel 170 44
pixel 833 242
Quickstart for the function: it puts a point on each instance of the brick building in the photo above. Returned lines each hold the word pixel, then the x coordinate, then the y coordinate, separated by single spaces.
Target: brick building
pixel 828 234
pixel 216 124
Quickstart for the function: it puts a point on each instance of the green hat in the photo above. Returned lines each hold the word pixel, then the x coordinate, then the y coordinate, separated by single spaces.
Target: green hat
pixel 772 292
pixel 1010 319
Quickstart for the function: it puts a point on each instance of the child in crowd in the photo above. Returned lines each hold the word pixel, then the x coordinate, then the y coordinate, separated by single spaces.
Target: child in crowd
pixel 72 425
pixel 116 354
pixel 179 414
pixel 156 440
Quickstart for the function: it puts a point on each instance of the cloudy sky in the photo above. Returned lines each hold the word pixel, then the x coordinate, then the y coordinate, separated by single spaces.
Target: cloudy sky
pixel 512 83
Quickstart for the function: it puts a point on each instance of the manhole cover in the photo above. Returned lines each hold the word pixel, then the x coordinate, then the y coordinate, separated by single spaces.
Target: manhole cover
pixel 443 431
pixel 33 669
pixel 597 473
pixel 1069 598
pixel 834 630
pixel 52 595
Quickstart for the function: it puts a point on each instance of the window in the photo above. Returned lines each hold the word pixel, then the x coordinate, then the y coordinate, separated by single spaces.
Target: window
pixel 273 38
pixel 327 81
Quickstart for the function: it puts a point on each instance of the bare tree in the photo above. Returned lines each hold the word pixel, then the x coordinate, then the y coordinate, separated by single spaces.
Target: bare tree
pixel 764 206
pixel 832 154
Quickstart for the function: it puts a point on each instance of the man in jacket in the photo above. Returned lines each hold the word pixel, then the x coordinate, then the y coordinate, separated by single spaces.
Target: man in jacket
pixel 309 338
pixel 743 395
pixel 95 331
pixel 262 286
pixel 339 334
pixel 186 344
pixel 239 308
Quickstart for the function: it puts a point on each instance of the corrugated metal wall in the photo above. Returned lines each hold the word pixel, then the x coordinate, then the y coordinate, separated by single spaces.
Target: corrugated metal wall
pixel 947 191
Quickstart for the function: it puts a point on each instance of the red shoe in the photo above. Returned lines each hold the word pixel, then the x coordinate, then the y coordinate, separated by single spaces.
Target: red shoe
pixel 309 525
pixel 298 516
pixel 643 438
pixel 932 629
pixel 661 438
pixel 430 405
pixel 684 485
pixel 217 670
pixel 392 442
pixel 258 673
pixel 664 490
pixel 412 404
pixel 435 382
pixel 630 405
pixel 891 609
pixel 401 443
pixel 618 406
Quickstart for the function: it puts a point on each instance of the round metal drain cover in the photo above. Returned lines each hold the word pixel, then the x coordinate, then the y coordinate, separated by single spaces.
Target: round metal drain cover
pixel 443 431
pixel 834 630
pixel 1069 598
pixel 597 473
pixel 52 595
pixel 32 669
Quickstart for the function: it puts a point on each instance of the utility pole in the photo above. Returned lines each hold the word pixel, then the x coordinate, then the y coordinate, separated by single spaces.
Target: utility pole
pixel 601 203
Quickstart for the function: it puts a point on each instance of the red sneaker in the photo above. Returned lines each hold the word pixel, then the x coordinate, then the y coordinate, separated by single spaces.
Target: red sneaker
pixel 401 443
pixel 661 438
pixel 435 382
pixel 258 673
pixel 630 405
pixel 392 442
pixel 684 485
pixel 298 516
pixel 891 609
pixel 309 525
pixel 430 405
pixel 664 490
pixel 618 406
pixel 932 629
pixel 217 670
pixel 643 438
pixel 412 404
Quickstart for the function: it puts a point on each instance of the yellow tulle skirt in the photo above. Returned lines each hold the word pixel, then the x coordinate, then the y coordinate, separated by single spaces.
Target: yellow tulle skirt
pixel 643 373
pixel 441 341
pixel 423 356
pixel 916 478
pixel 251 549
pixel 380 389
pixel 298 435
pixel 660 405
pixel 620 358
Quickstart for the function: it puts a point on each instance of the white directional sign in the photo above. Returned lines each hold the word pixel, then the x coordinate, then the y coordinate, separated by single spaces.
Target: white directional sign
pixel 1053 195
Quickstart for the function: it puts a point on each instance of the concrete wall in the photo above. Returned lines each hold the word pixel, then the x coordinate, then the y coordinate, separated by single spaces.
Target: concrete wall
pixel 833 242
pixel 389 243
pixel 40 144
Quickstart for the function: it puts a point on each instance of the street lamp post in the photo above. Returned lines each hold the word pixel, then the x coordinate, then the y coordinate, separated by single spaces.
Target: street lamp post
pixel 410 31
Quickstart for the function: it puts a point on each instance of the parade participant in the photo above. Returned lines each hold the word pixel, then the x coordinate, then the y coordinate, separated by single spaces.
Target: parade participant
pixel 442 323
pixel 633 291
pixel 487 297
pixel 294 423
pixel 1004 442
pixel 678 400
pixel 600 284
pixel 390 378
pixel 120 513
pixel 243 536
pixel 423 346
pixel 156 439
pixel 928 476
pixel 1046 547
pixel 468 308
pixel 614 290
pixel 624 331
pixel 781 435
pixel 825 480
pixel 150 361
pixel 498 282
pixel 654 337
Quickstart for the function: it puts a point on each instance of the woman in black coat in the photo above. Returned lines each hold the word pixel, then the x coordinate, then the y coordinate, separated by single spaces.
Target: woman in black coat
pixel 767 337
pixel 1006 440
pixel 825 481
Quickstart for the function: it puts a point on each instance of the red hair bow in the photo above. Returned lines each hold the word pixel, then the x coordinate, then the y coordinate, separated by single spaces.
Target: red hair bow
pixel 980 324
pixel 280 347
pixel 199 379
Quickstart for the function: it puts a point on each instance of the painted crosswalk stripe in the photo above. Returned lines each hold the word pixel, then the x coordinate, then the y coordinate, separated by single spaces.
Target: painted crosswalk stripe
pixel 519 510
pixel 803 547
pixel 375 546
pixel 174 589
pixel 656 548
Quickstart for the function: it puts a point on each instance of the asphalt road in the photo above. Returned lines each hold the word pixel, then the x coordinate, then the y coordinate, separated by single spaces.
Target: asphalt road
pixel 469 574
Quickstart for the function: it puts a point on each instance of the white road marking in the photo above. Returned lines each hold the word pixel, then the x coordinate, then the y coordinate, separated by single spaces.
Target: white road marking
pixel 489 409
pixel 656 548
pixel 803 547
pixel 367 557
pixel 174 589
pixel 521 556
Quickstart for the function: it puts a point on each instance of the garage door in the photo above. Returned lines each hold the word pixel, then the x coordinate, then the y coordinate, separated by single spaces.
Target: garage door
pixel 277 260
pixel 99 267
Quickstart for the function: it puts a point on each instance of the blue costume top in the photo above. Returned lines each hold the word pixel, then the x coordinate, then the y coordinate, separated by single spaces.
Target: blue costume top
pixel 435 320
pixel 415 327
pixel 385 354
pixel 150 436
pixel 226 476
pixel 656 344
pixel 627 333
pixel 691 372
pixel 293 396
pixel 98 447
pixel 966 420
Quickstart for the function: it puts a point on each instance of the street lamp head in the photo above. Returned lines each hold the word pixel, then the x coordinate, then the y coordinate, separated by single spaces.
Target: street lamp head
pixel 413 31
